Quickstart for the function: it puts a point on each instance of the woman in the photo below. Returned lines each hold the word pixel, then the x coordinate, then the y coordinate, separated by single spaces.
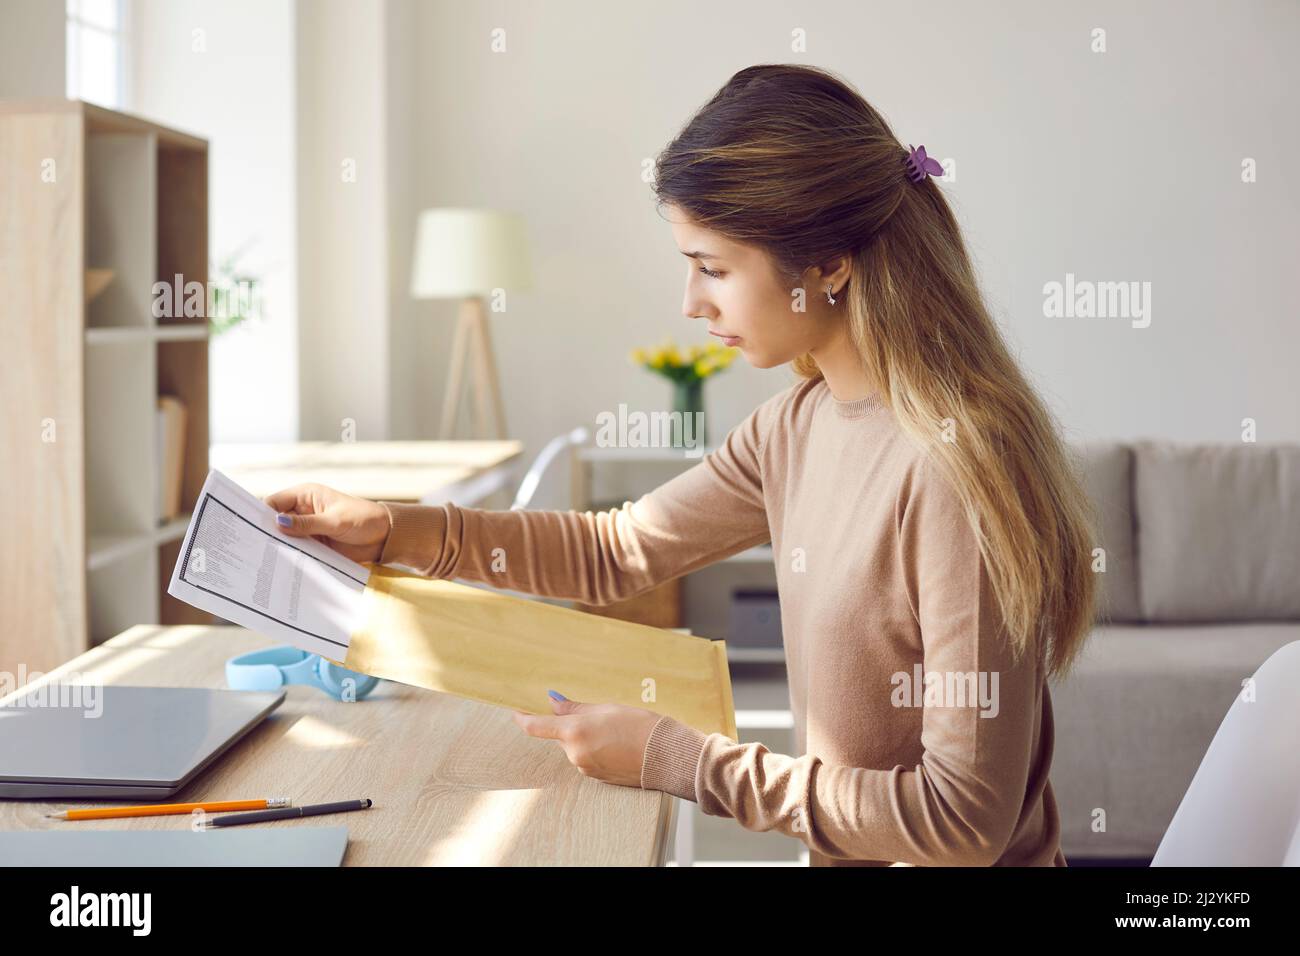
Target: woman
pixel 931 535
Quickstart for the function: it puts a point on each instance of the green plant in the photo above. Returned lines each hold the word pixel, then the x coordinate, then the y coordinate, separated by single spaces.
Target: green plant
pixel 234 294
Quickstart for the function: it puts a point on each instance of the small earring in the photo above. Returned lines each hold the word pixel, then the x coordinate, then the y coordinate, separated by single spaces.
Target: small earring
pixel 829 298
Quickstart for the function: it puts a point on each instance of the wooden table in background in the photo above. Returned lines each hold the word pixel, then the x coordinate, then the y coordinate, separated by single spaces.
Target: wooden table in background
pixel 428 472
pixel 454 782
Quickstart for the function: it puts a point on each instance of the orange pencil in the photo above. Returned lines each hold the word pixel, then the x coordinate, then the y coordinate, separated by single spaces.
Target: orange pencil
pixel 161 809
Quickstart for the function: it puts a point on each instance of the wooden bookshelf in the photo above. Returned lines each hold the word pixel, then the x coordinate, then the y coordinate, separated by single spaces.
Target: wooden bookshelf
pixel 99 205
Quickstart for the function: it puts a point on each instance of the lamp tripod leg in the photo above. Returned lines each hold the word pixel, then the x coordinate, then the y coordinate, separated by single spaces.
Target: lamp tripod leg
pixel 491 410
pixel 456 374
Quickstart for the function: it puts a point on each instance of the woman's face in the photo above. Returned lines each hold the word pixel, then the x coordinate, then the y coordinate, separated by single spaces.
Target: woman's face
pixel 742 297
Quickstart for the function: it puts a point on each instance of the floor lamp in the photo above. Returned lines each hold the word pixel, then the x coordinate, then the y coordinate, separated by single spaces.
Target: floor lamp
pixel 473 255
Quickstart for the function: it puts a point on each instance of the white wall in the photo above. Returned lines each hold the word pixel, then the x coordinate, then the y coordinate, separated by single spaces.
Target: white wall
pixel 1123 165
pixel 342 218
pixel 225 72
pixel 363 349
pixel 288 92
pixel 1114 166
pixel 32 41
pixel 414 396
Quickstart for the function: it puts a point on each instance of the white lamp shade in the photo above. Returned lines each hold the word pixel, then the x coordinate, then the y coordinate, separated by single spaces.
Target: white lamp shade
pixel 468 252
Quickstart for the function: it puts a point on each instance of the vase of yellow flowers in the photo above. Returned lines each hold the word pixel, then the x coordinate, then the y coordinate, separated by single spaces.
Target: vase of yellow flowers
pixel 688 372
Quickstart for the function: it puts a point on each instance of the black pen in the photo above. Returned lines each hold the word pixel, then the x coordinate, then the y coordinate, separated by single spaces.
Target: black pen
pixel 286 813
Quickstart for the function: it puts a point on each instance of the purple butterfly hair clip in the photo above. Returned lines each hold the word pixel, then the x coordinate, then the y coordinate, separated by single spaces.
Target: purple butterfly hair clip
pixel 920 165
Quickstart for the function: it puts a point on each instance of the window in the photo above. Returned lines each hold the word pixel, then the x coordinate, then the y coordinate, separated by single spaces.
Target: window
pixel 96 56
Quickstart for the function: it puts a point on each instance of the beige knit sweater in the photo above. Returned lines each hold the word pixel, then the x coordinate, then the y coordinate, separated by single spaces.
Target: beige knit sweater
pixel 887 613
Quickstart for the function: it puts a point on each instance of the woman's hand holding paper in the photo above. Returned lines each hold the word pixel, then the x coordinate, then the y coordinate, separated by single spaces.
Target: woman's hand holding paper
pixel 354 527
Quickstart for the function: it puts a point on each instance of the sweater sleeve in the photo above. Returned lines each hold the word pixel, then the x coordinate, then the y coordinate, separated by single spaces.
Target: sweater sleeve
pixel 961 803
pixel 708 512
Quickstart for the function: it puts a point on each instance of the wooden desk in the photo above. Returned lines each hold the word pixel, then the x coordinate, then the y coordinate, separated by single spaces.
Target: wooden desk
pixel 431 472
pixel 454 781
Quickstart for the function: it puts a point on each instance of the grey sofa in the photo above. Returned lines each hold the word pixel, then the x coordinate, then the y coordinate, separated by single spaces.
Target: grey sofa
pixel 1202 584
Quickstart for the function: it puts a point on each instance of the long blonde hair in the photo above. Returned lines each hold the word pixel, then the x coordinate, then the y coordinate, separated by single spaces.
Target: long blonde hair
pixel 794 160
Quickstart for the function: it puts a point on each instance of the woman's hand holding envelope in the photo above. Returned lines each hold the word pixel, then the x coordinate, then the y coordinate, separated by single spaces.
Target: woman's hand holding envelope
pixel 604 741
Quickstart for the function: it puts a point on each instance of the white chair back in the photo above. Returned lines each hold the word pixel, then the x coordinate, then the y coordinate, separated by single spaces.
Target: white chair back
pixel 528 487
pixel 1243 805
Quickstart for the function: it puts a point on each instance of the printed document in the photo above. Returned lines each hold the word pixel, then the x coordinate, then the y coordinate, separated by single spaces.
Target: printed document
pixel 236 563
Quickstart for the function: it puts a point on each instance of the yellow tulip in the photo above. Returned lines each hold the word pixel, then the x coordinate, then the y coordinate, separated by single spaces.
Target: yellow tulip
pixel 704 360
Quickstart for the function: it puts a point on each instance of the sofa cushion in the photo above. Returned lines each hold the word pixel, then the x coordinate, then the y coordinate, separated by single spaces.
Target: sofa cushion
pixel 1218 531
pixel 1133 720
pixel 1106 468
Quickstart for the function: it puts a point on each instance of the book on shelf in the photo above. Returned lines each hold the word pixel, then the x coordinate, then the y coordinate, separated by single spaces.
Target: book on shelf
pixel 171 457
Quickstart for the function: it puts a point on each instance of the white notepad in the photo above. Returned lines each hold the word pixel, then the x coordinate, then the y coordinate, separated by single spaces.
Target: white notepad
pixel 251 846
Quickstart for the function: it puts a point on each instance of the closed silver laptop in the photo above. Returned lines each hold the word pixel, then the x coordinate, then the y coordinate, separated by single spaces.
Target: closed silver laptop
pixel 113 742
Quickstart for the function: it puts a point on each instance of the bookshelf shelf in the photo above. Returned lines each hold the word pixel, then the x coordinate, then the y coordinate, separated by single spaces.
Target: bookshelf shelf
pixel 103 205
pixel 173 530
pixel 147 333
pixel 104 549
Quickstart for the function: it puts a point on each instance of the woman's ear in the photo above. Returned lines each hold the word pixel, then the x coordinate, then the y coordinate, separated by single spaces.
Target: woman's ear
pixel 834 273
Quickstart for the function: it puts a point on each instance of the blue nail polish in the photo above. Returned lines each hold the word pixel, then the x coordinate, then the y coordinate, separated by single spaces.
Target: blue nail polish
pixel 284 520
pixel 556 695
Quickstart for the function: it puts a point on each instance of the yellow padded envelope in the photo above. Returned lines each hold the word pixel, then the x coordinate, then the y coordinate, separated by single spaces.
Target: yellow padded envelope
pixel 508 651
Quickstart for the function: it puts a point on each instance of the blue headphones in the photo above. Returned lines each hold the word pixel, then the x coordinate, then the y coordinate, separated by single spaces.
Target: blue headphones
pixel 277 667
